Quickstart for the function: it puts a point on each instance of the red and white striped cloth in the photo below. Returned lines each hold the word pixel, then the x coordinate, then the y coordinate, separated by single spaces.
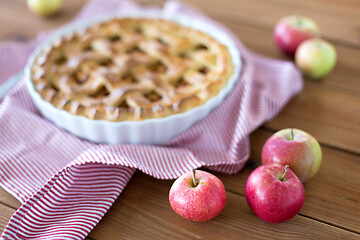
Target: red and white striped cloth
pixel 67 184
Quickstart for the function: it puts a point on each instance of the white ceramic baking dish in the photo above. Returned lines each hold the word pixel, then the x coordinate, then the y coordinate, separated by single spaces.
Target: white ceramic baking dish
pixel 150 131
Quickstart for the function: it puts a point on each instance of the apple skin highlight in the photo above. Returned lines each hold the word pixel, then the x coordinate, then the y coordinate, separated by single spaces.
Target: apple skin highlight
pixel 316 58
pixel 200 203
pixel 292 30
pixel 44 8
pixel 302 153
pixel 271 199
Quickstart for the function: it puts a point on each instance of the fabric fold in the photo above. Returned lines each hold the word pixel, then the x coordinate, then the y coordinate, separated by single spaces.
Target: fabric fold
pixel 67 184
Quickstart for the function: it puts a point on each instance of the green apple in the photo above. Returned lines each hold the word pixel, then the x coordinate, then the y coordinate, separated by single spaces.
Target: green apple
pixel 44 7
pixel 315 57
pixel 296 148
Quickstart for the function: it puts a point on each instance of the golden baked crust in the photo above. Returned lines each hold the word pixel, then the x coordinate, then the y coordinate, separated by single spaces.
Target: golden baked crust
pixel 131 69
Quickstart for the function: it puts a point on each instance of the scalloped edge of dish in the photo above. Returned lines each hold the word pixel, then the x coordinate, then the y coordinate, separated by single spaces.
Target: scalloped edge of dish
pixel 149 131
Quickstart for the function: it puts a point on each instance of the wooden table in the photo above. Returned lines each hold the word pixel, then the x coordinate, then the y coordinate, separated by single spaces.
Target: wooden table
pixel 328 109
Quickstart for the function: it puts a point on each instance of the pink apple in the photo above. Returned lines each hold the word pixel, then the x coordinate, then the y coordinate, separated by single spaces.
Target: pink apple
pixel 197 196
pixel 295 148
pixel 292 30
pixel 274 193
pixel 315 57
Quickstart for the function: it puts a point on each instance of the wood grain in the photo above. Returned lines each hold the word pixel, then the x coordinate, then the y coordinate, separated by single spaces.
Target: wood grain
pixel 5 214
pixel 319 109
pixel 144 213
pixel 7 199
pixel 344 78
pixel 331 117
pixel 328 109
pixel 332 196
pixel 325 109
pixel 332 190
pixel 338 20
pixel 26 26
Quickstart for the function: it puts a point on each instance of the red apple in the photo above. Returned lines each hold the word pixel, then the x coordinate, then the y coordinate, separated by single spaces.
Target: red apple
pixel 292 30
pixel 295 148
pixel 315 57
pixel 274 193
pixel 197 196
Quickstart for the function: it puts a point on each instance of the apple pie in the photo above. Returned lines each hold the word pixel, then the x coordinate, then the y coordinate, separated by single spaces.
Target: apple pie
pixel 131 69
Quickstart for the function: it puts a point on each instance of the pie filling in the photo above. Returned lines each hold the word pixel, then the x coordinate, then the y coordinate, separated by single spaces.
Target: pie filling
pixel 131 69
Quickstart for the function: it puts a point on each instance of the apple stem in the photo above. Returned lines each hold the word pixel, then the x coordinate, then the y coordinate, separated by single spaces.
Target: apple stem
pixel 292 134
pixel 195 182
pixel 283 176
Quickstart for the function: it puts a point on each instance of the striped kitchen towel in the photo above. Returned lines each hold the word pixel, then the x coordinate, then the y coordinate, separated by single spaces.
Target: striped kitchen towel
pixel 66 184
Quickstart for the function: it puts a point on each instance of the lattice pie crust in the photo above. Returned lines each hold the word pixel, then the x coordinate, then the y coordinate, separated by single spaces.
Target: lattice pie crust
pixel 131 69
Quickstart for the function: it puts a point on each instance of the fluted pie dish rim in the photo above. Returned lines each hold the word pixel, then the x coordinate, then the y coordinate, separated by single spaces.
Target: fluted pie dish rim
pixel 148 131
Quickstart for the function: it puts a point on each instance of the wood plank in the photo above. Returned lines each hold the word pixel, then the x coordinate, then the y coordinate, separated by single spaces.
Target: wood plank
pixel 338 20
pixel 5 215
pixel 345 76
pixel 144 213
pixel 332 117
pixel 332 190
pixel 332 196
pixel 27 26
pixel 7 199
pixel 329 108
pixel 156 211
pixel 324 108
pixel 313 110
